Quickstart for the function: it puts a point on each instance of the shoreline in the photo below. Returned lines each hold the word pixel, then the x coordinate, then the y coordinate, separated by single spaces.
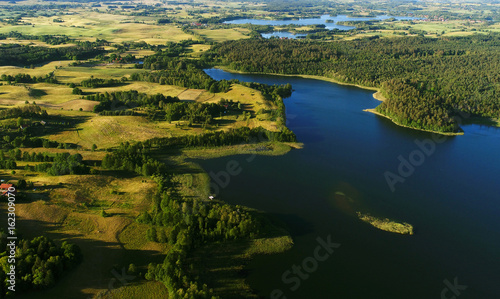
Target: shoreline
pixel 377 95
pixel 372 110
pixel 322 78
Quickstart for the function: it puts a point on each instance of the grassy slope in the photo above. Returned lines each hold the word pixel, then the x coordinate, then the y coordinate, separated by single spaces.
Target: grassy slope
pixel 220 35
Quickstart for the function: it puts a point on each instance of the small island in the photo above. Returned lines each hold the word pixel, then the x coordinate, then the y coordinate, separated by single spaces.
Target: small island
pixel 386 224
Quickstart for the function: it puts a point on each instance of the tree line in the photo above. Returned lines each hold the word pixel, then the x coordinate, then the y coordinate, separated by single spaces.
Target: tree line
pixel 17 140
pixel 133 158
pixel 98 82
pixel 194 113
pixel 129 99
pixel 24 55
pixel 63 164
pixel 26 78
pixel 26 111
pixel 18 155
pixel 222 138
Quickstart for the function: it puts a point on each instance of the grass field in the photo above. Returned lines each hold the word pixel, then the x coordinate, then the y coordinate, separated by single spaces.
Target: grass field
pixel 91 25
pixel 461 28
pixel 152 290
pixel 220 35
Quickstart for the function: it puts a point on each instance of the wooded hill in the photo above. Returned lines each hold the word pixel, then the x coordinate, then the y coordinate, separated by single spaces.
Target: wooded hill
pixel 428 82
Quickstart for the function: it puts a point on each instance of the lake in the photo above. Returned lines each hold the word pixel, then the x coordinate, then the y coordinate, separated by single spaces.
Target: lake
pixel 451 198
pixel 282 34
pixel 313 21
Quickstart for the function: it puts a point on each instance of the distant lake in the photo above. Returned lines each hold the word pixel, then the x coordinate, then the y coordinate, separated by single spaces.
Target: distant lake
pixel 282 34
pixel 452 198
pixel 317 21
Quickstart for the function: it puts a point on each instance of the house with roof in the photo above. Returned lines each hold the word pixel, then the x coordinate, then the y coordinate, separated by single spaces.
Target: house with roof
pixel 4 188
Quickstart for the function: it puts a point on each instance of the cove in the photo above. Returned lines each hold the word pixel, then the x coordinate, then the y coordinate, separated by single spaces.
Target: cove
pixel 451 199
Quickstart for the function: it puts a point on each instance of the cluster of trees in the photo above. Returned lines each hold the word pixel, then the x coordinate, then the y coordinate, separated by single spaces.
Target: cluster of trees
pixel 21 55
pixel 201 222
pixel 451 74
pixel 125 46
pixel 170 49
pixel 26 111
pixel 129 58
pixel 7 163
pixel 194 113
pixel 39 263
pixel 169 58
pixel 46 38
pixel 64 163
pixel 18 155
pixel 129 99
pixel 98 44
pixel 133 158
pixel 25 78
pixel 98 82
pixel 26 156
pixel 164 21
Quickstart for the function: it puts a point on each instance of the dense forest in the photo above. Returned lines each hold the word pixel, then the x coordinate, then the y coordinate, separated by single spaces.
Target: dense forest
pixel 426 81
pixel 20 55
pixel 39 263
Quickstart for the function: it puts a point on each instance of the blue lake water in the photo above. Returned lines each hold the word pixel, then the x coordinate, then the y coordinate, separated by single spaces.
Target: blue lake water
pixel 314 21
pixel 451 198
